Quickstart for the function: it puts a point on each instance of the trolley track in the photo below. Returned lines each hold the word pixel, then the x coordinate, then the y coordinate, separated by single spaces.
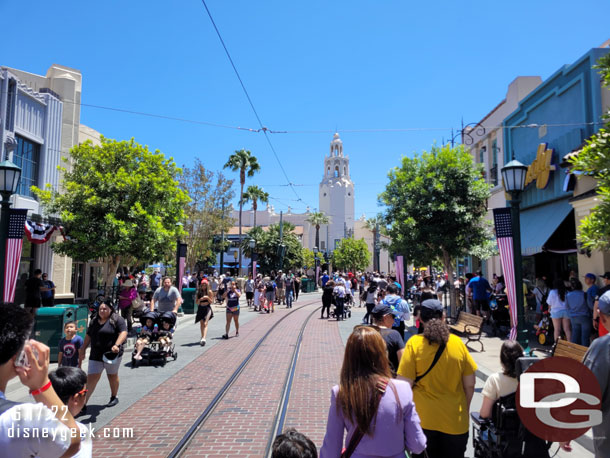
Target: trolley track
pixel 183 445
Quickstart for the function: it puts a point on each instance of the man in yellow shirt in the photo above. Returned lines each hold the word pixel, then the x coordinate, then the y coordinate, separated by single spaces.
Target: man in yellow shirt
pixel 442 391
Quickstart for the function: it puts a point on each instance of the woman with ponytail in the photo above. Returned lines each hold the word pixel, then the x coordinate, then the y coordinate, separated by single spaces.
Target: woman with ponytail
pixel 376 411
pixel 442 373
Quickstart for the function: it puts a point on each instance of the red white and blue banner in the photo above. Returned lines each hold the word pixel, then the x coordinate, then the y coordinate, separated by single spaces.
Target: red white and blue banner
pixel 14 245
pixel 400 273
pixel 38 233
pixel 504 236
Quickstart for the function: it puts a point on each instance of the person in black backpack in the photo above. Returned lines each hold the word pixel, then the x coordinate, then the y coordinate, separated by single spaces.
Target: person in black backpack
pixel 541 293
pixel 270 289
pixel 21 423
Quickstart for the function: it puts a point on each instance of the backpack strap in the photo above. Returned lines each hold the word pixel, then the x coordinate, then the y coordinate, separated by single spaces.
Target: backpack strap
pixel 437 356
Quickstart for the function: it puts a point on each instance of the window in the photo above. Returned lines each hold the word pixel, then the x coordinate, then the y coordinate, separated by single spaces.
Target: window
pixel 482 155
pixel 10 104
pixel 78 280
pixel 493 171
pixel 27 156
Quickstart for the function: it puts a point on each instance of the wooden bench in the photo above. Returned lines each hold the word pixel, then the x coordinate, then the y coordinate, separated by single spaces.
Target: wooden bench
pixel 567 349
pixel 470 325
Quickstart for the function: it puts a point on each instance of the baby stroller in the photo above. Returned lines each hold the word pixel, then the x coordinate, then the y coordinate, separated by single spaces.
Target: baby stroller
pixel 500 315
pixel 160 345
pixel 347 309
pixel 544 331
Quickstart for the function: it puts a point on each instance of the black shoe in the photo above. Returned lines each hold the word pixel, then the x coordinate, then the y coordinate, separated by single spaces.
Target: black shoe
pixel 225 336
pixel 113 401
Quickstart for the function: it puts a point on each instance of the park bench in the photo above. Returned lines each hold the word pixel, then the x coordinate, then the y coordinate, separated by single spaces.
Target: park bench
pixel 470 325
pixel 566 349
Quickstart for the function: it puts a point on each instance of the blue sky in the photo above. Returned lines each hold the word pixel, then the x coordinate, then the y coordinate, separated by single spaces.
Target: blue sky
pixel 308 66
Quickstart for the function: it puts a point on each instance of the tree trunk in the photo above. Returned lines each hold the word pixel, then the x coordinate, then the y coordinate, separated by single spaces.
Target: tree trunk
pixel 112 264
pixel 318 236
pixel 254 207
pixel 452 293
pixel 241 204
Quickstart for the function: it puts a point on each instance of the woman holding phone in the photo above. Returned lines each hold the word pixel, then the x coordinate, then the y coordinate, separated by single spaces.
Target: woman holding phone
pixel 232 300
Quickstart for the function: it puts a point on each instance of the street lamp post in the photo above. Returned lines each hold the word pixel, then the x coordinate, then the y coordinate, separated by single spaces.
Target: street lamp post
pixel 252 244
pixel 513 175
pixel 316 264
pixel 9 180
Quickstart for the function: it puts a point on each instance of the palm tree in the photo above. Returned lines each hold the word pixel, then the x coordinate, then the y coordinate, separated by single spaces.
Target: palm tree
pixel 375 224
pixel 247 164
pixel 317 219
pixel 255 195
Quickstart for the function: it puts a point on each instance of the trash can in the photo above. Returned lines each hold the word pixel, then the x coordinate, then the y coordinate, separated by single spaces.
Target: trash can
pixel 304 285
pixel 50 321
pixel 188 296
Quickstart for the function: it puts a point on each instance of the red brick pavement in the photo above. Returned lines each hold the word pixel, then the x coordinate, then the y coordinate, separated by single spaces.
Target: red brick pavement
pixel 164 415
pixel 317 370
pixel 241 424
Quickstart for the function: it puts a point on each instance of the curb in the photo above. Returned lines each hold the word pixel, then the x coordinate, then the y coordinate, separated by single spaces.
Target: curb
pixel 584 441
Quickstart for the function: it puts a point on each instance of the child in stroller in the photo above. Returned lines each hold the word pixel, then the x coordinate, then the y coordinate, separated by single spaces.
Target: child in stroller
pixel 155 339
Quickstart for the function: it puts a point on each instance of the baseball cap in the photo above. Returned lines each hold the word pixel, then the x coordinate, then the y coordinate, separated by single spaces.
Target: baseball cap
pixel 433 304
pixel 604 303
pixel 606 276
pixel 382 309
pixel 591 276
pixel 110 357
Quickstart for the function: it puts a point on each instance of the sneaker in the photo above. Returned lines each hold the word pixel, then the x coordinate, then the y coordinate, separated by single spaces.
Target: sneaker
pixel 225 336
pixel 237 334
pixel 202 342
pixel 113 401
pixel 138 357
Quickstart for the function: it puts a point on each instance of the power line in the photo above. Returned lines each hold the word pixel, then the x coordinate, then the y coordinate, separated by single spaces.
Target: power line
pixel 243 86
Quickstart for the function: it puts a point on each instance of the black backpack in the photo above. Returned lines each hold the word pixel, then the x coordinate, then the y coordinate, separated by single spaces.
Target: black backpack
pixel 269 287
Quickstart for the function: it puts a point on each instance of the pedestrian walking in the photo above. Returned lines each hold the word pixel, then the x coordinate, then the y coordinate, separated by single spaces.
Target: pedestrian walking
pixel 127 294
pixel 327 297
pixel 377 412
pixel 383 318
pixel 270 289
pixel 370 301
pixel 232 302
pixel 106 334
pixel 289 290
pixel 280 283
pixel 48 296
pixel 204 310
pixel 559 311
pixel 166 298
pixel 339 294
pixel 580 314
pixel 441 371
pixel 297 286
pixel 249 289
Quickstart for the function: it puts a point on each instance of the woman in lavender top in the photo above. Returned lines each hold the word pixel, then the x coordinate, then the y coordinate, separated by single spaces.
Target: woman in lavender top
pixel 390 423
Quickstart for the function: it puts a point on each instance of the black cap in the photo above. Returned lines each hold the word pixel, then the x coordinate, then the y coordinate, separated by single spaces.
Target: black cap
pixel 606 276
pixel 382 309
pixel 433 304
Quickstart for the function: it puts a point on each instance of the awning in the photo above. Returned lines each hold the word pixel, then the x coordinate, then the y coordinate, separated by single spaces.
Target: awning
pixel 538 225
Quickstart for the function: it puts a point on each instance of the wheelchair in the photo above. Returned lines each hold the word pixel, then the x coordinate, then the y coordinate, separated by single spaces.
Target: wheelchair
pixel 503 435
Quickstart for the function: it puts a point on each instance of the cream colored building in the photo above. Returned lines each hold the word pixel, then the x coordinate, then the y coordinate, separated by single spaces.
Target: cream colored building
pixel 486 145
pixel 35 96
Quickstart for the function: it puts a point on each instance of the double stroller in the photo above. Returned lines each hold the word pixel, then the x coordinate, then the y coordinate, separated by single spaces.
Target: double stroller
pixel 154 342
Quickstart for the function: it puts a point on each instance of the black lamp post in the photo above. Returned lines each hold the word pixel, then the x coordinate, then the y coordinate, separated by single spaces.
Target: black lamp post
pixel 513 175
pixel 316 264
pixel 9 180
pixel 252 244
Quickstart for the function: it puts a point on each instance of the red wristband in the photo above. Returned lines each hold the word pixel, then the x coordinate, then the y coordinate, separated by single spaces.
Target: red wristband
pixel 41 390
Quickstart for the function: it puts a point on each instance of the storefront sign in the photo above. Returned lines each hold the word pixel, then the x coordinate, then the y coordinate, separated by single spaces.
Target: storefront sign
pixel 540 170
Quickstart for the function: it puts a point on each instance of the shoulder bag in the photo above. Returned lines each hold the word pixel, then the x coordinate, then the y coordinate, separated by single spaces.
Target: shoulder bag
pixel 358 434
pixel 437 356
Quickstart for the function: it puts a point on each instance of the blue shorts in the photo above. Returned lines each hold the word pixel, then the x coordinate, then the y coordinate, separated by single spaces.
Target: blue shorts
pixel 559 314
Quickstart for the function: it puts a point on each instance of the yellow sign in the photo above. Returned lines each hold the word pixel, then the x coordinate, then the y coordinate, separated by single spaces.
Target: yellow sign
pixel 540 170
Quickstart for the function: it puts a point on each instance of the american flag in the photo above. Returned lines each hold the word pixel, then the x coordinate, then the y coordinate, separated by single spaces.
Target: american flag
pixel 504 235
pixel 14 244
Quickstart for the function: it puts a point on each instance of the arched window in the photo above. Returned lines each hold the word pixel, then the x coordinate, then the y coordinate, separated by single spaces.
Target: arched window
pixel 344 170
pixel 328 171
pixel 337 171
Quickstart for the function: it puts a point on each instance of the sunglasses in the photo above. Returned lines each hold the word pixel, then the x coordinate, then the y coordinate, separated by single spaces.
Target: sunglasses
pixel 82 392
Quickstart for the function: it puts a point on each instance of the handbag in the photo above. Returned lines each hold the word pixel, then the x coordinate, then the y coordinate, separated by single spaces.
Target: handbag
pixel 358 434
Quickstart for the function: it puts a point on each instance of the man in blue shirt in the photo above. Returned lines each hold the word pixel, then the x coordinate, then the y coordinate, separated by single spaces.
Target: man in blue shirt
pixel 400 309
pixel 592 291
pixel 478 288
pixel 325 279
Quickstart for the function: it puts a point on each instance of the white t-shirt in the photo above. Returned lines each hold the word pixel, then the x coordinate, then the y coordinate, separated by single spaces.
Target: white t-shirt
pixel 555 302
pixel 86 443
pixel 498 385
pixel 35 421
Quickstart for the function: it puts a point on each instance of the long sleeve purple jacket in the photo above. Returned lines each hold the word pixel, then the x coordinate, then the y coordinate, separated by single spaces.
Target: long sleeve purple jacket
pixel 394 433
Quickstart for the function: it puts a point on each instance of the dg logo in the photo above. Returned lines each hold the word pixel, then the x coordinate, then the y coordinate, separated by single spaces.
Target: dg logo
pixel 559 399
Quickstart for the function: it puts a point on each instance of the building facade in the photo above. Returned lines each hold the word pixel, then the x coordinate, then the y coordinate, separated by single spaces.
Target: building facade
pixel 39 124
pixel 486 145
pixel 553 120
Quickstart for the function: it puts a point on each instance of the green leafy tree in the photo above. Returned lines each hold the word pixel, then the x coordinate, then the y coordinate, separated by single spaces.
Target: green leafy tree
pixel 594 161
pixel 255 195
pixel 120 201
pixel 352 254
pixel 268 243
pixel 204 213
pixel 436 205
pixel 318 219
pixel 309 258
pixel 245 163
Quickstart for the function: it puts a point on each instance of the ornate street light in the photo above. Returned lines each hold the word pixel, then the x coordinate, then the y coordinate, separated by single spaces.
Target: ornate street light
pixel 513 176
pixel 252 245
pixel 9 181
